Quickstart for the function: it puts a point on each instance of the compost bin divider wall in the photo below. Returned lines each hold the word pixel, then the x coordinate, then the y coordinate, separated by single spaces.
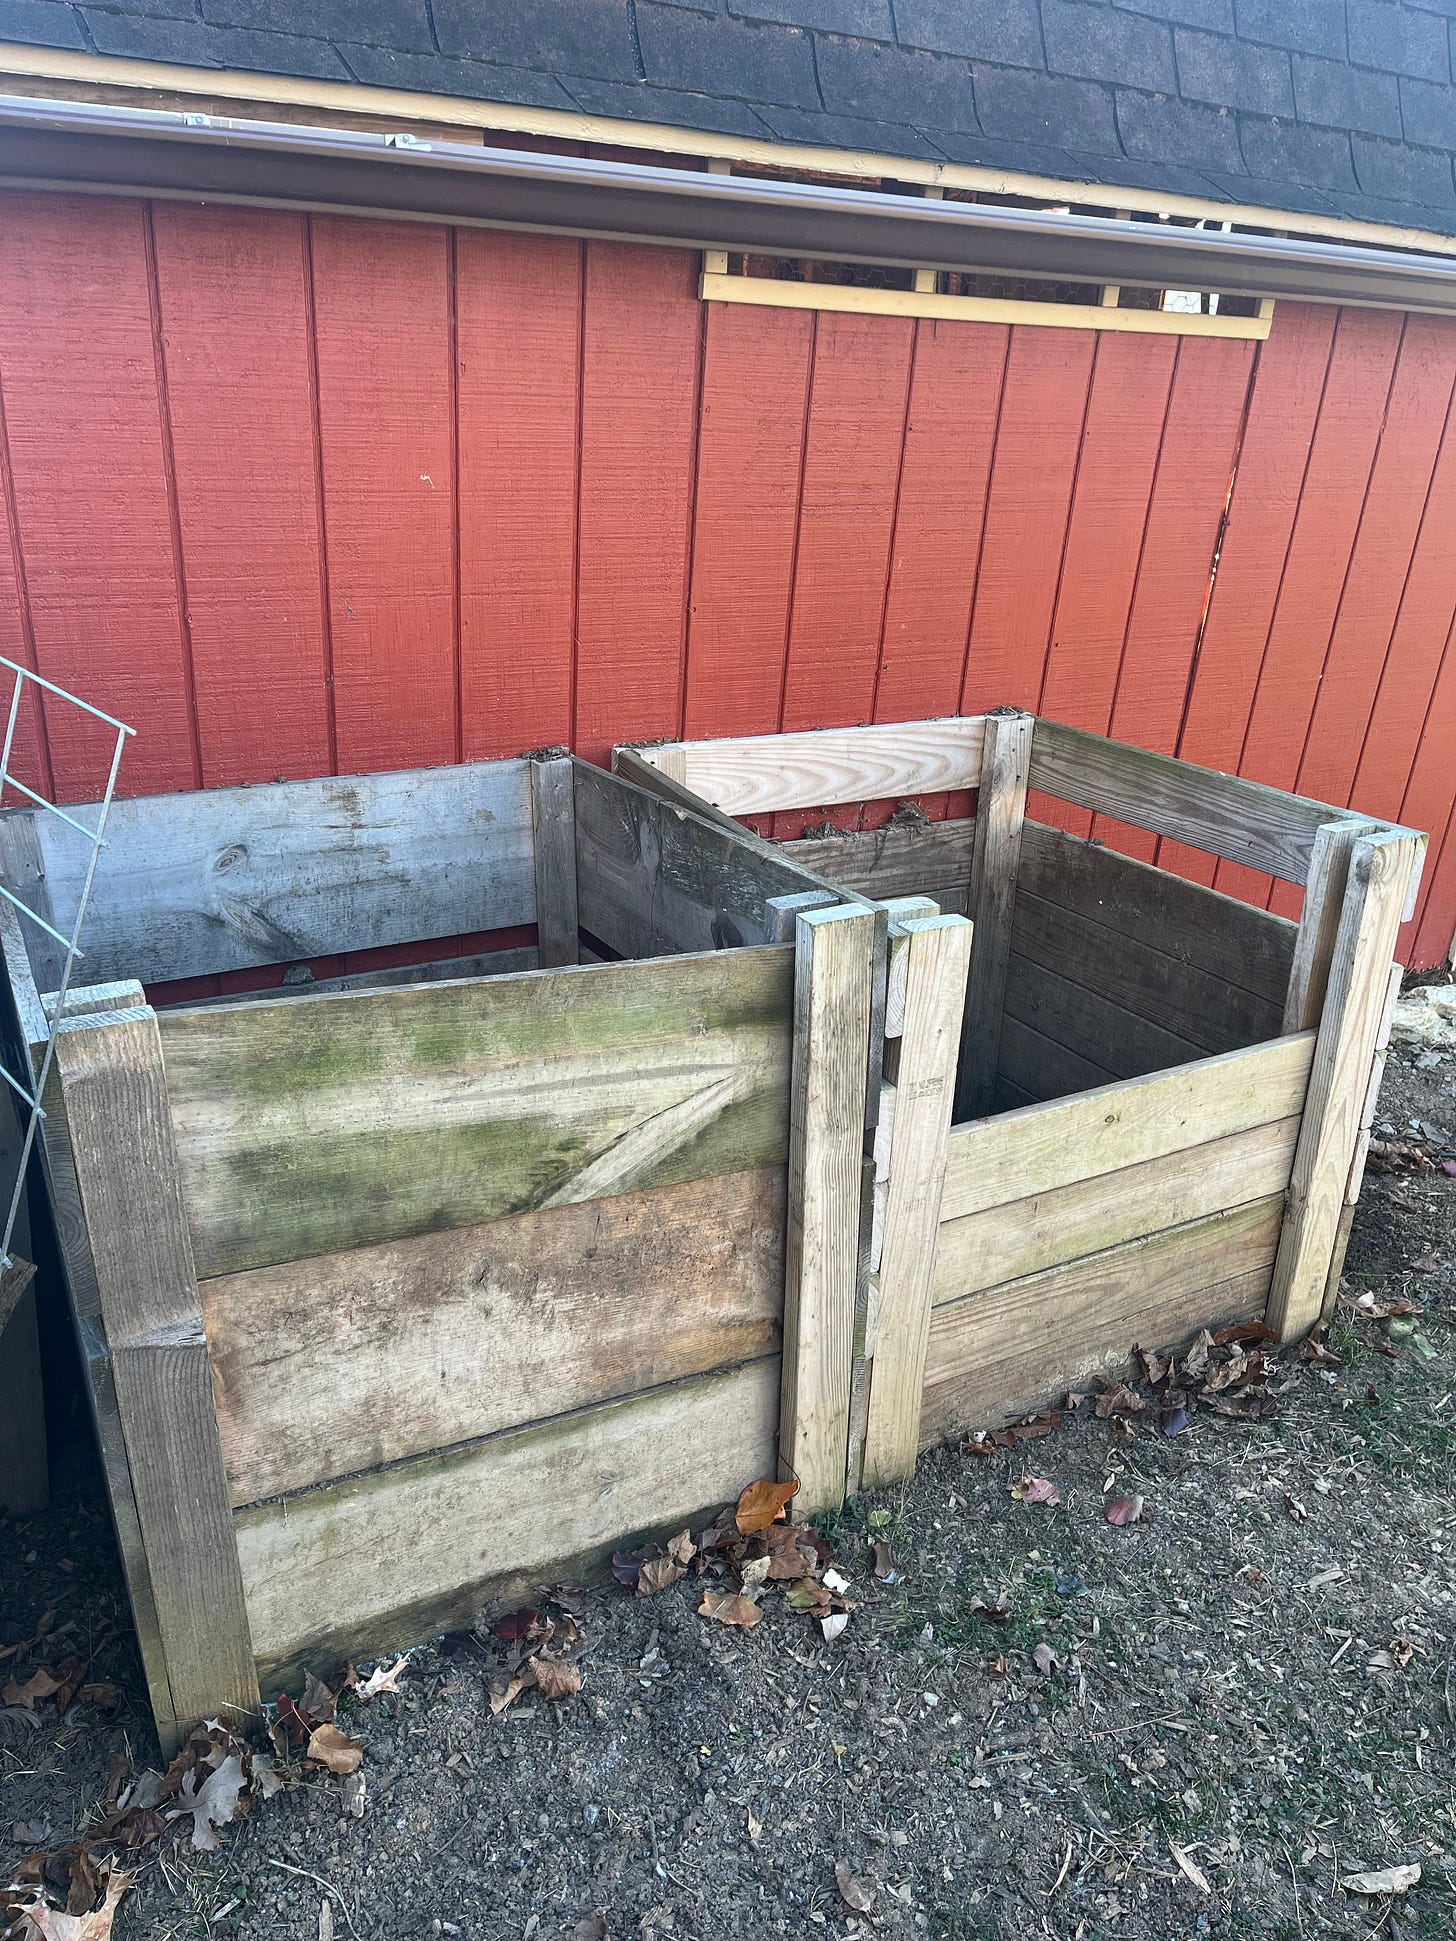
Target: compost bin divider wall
pixel 1183 1085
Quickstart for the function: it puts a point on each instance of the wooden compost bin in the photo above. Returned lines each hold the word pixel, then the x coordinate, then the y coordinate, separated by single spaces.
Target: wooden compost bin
pixel 399 1289
pixel 1163 1096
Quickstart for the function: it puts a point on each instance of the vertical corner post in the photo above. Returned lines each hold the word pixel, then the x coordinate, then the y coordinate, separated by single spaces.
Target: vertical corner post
pixel 553 843
pixel 1319 920
pixel 1350 1023
pixel 834 971
pixel 1000 814
pixel 938 959
pixel 115 1091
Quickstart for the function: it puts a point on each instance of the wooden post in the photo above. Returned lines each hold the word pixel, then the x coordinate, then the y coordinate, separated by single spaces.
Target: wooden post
pixel 938 959
pixel 1319 920
pixel 1362 1145
pixel 1000 813
pixel 115 1092
pixel 1359 975
pixel 553 835
pixel 834 970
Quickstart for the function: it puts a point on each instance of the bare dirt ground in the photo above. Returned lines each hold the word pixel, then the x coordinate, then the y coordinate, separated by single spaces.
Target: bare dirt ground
pixel 1247 1696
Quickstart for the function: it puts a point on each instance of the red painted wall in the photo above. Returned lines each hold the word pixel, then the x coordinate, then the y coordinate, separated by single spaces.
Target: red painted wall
pixel 299 496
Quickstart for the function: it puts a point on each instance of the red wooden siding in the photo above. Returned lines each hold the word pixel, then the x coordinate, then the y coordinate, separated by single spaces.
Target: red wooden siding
pixel 300 495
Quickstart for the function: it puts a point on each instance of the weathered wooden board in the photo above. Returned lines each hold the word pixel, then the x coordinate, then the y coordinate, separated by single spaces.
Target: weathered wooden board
pixel 1195 1006
pixel 384 1560
pixel 330 1366
pixel 1319 922
pixel 652 879
pixel 901 859
pixel 111 1075
pixel 1006 1242
pixel 999 1352
pixel 553 837
pixel 1223 814
pixel 1098 1029
pixel 226 878
pixel 1040 1068
pixel 1196 926
pixel 315 1125
pixel 1025 1153
pixel 757 773
pixel 1000 813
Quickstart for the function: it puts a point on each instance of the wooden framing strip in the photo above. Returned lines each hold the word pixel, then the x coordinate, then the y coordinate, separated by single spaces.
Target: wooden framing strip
pixel 381 1560
pixel 1243 821
pixel 318 1124
pixel 1022 1154
pixel 1197 927
pixel 1359 977
pixel 115 1089
pixel 452 1336
pixel 226 879
pixel 1362 1148
pixel 834 974
pixel 752 774
pixel 553 847
pixel 1049 1229
pixel 901 859
pixel 1319 921
pixel 999 1354
pixel 1000 812
pixel 937 954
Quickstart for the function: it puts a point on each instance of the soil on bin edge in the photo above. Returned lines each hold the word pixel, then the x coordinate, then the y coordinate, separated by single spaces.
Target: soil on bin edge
pixel 1251 1696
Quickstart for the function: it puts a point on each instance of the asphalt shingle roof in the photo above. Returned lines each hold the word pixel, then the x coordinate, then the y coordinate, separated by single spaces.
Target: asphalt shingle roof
pixel 1331 107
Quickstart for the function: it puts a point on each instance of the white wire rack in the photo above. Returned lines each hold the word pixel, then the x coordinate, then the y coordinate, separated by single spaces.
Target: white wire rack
pixel 96 838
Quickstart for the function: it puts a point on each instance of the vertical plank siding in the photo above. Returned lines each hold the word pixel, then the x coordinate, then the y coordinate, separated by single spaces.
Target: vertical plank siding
pixel 300 495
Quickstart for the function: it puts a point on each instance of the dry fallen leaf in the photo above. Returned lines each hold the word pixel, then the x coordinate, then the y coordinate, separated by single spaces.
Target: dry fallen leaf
pixel 216 1802
pixel 554 1678
pixel 763 1503
pixel 335 1749
pixel 1189 1868
pixel 1383 1880
pixel 95 1925
pixel 656 1574
pixel 1123 1509
pixel 1045 1660
pixel 383 1678
pixel 729 1607
pixel 505 1692
pixel 832 1625
pixel 40 1684
pixel 851 1891
pixel 318 1701
pixel 1036 1489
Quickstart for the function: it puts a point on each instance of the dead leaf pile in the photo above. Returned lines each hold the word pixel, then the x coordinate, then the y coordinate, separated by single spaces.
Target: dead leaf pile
pixel 747 1551
pixel 62 1681
pixel 537 1649
pixel 1029 1430
pixel 69 1895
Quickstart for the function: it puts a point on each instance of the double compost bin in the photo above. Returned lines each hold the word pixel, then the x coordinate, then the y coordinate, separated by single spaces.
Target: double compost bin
pixel 402 1288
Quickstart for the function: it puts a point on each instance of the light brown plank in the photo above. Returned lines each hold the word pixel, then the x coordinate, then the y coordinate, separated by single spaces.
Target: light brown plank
pixel 1000 813
pixel 1319 922
pixel 1197 1007
pixel 1222 814
pixel 997 1392
pixel 318 1124
pixel 996 1161
pixel 553 842
pixel 937 953
pixel 833 989
pixel 1375 893
pixel 115 1090
pixel 1007 1242
pixel 388 1559
pixel 1198 927
pixel 755 773
pixel 902 859
pixel 325 1367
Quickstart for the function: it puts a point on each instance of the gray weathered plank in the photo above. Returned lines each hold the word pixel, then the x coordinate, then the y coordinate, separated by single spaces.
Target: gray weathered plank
pixel 1040 1068
pixel 115 1089
pixel 553 836
pixel 1105 1033
pixel 1198 927
pixel 1319 922
pixel 1243 821
pixel 386 1559
pixel 222 879
pixel 1000 813
pixel 329 1366
pixel 1359 974
pixel 833 990
pixel 901 859
pixel 314 1125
